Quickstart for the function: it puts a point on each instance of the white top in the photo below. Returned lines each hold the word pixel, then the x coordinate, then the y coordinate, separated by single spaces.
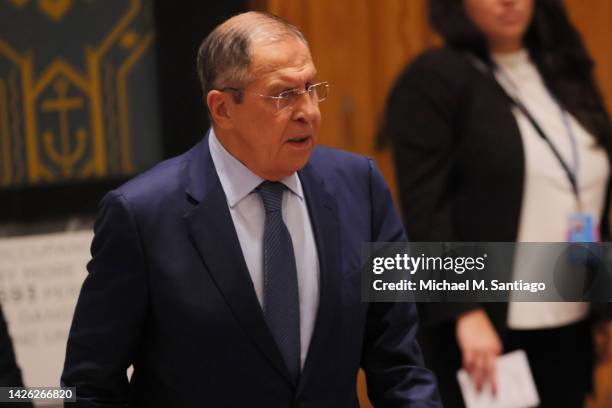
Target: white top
pixel 248 215
pixel 548 199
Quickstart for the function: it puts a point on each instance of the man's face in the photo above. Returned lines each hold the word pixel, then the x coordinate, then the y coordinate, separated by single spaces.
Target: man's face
pixel 276 143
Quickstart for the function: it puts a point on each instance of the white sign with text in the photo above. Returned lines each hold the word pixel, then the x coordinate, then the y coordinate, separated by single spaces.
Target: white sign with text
pixel 40 280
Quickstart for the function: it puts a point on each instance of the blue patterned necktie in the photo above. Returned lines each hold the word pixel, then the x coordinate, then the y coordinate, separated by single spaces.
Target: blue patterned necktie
pixel 281 296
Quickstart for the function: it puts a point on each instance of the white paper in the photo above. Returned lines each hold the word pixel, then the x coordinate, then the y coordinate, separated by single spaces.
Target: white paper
pixel 515 385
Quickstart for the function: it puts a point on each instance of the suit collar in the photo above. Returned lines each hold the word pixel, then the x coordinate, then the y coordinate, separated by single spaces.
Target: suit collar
pixel 201 173
pixel 238 181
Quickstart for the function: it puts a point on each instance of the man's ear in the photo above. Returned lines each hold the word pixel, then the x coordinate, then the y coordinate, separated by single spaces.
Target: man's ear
pixel 218 106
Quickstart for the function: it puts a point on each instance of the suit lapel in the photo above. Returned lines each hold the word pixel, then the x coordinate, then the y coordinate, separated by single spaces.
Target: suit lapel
pixel 212 231
pixel 322 210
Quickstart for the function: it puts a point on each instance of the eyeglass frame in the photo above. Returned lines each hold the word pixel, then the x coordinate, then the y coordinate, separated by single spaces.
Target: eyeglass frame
pixel 278 98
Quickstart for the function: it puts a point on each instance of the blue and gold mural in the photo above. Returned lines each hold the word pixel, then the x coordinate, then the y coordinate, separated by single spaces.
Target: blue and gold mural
pixel 78 94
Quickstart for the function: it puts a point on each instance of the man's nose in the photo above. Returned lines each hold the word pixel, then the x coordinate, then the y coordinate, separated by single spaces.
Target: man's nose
pixel 306 107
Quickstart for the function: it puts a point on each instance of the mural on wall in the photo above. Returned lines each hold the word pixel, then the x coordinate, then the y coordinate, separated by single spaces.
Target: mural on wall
pixel 78 94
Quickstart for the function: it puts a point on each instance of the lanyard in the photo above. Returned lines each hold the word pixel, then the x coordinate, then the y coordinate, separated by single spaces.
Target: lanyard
pixel 572 174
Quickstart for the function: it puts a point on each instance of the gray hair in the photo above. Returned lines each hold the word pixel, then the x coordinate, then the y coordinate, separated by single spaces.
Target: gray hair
pixel 225 54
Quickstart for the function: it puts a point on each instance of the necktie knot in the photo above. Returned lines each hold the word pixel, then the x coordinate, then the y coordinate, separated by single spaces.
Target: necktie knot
pixel 271 193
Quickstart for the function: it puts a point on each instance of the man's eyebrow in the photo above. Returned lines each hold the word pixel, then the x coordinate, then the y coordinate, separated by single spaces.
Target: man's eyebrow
pixel 286 81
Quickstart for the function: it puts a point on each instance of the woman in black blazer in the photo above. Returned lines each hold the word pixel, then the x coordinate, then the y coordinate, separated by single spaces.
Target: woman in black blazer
pixel 463 171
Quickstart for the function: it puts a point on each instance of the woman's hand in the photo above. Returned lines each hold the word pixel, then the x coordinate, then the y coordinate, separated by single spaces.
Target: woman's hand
pixel 480 346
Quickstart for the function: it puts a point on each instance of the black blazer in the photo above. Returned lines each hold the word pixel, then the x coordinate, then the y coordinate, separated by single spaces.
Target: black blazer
pixel 459 160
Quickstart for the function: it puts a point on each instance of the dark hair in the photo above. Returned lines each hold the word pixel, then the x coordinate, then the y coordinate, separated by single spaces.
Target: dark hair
pixel 554 46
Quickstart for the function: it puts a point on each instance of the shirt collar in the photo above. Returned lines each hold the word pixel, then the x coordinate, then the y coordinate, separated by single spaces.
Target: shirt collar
pixel 237 180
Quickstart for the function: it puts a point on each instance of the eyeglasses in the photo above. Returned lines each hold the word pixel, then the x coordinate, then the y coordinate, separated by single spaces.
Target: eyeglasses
pixel 286 99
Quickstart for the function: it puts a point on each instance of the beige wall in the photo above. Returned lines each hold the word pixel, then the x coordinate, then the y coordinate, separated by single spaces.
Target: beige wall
pixel 594 20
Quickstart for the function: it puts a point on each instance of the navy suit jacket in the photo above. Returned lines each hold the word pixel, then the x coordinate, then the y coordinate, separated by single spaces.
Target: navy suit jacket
pixel 168 291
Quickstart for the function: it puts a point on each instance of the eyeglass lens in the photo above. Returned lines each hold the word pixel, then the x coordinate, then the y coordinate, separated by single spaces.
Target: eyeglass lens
pixel 318 93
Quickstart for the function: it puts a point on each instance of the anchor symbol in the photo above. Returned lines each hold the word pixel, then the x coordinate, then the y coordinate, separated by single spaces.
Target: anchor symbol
pixel 63 105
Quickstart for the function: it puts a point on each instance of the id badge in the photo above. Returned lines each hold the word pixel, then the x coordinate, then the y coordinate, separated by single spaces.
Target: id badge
pixel 582 228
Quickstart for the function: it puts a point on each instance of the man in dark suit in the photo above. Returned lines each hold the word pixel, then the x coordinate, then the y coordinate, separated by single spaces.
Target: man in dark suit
pixel 230 276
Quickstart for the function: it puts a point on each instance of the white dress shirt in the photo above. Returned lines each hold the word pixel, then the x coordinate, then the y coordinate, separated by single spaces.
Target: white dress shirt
pixel 548 199
pixel 248 215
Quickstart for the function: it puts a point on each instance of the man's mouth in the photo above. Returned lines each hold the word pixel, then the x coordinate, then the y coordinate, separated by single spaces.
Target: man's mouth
pixel 299 141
